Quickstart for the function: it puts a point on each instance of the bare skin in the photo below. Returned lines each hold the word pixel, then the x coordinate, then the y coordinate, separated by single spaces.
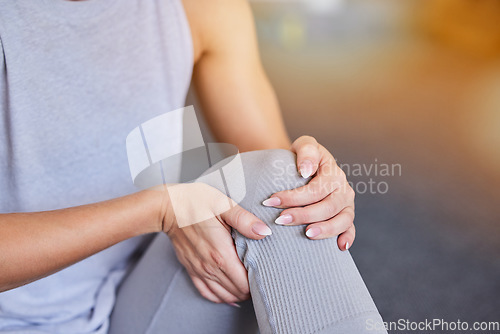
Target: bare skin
pixel 242 109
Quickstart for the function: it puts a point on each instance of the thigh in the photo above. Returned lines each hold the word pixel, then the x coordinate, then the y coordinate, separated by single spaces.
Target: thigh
pixel 159 297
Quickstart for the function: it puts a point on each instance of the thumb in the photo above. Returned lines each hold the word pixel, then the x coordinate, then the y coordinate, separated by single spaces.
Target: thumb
pixel 308 155
pixel 246 223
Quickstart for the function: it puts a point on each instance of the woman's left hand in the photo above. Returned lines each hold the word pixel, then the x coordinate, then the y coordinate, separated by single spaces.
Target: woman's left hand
pixel 326 203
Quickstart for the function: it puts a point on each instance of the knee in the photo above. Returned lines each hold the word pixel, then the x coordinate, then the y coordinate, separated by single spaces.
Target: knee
pixel 248 176
pixel 273 170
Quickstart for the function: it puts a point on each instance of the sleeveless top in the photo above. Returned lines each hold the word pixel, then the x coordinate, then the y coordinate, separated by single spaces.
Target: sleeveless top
pixel 75 79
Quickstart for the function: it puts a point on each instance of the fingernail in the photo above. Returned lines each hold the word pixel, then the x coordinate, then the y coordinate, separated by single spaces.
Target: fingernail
pixel 306 169
pixel 261 229
pixel 234 305
pixel 284 219
pixel 272 201
pixel 313 232
pixel 346 245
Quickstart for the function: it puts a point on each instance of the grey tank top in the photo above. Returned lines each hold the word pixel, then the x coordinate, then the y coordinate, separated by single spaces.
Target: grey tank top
pixel 75 79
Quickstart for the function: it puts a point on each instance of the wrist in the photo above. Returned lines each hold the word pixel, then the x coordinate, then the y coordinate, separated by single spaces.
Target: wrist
pixel 161 207
pixel 166 211
pixel 148 212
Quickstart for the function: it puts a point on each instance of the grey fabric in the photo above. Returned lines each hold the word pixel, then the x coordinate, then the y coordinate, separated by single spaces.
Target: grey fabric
pixel 297 285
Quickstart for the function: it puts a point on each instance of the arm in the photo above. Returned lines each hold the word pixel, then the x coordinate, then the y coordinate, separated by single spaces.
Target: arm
pixel 47 242
pixel 242 109
pixel 35 245
pixel 237 99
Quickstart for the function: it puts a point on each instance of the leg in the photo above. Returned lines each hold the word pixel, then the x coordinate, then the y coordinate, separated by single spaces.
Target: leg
pixel 298 285
pixel 159 297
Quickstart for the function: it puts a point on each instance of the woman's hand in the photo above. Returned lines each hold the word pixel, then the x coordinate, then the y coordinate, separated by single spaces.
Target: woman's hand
pixel 326 203
pixel 197 218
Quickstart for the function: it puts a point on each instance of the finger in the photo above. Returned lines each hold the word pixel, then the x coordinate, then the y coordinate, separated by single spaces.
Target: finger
pixel 225 268
pixel 332 227
pixel 236 290
pixel 329 178
pixel 246 223
pixel 213 258
pixel 346 239
pixel 205 290
pixel 308 155
pixel 221 292
pixel 236 273
pixel 329 207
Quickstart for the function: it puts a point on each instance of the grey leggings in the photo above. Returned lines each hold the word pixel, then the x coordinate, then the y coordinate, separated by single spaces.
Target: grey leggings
pixel 297 285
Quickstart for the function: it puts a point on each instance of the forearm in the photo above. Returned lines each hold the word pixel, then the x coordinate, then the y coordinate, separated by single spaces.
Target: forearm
pixel 34 245
pixel 249 117
pixel 236 96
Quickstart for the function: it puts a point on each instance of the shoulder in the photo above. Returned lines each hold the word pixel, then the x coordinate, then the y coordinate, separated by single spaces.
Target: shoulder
pixel 217 25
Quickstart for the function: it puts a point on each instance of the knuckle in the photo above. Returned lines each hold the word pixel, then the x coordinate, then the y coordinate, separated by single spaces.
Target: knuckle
pixel 236 218
pixel 286 196
pixel 309 147
pixel 350 214
pixel 198 271
pixel 304 140
pixel 303 215
pixel 337 185
pixel 208 271
pixel 334 229
pixel 339 175
pixel 218 260
pixel 332 207
pixel 328 230
pixel 348 196
pixel 332 210
pixel 339 171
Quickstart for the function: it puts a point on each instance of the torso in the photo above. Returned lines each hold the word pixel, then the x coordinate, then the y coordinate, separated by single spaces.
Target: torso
pixel 73 84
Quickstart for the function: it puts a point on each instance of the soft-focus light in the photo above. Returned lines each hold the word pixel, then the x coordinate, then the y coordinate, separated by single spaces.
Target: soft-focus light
pixel 324 6
pixel 483 121
pixel 292 31
pixel 313 6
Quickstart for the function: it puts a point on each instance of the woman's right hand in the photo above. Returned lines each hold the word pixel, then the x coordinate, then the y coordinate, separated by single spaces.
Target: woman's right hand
pixel 198 219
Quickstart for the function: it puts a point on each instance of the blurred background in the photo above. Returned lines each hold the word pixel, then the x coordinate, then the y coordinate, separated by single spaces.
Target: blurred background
pixel 414 84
